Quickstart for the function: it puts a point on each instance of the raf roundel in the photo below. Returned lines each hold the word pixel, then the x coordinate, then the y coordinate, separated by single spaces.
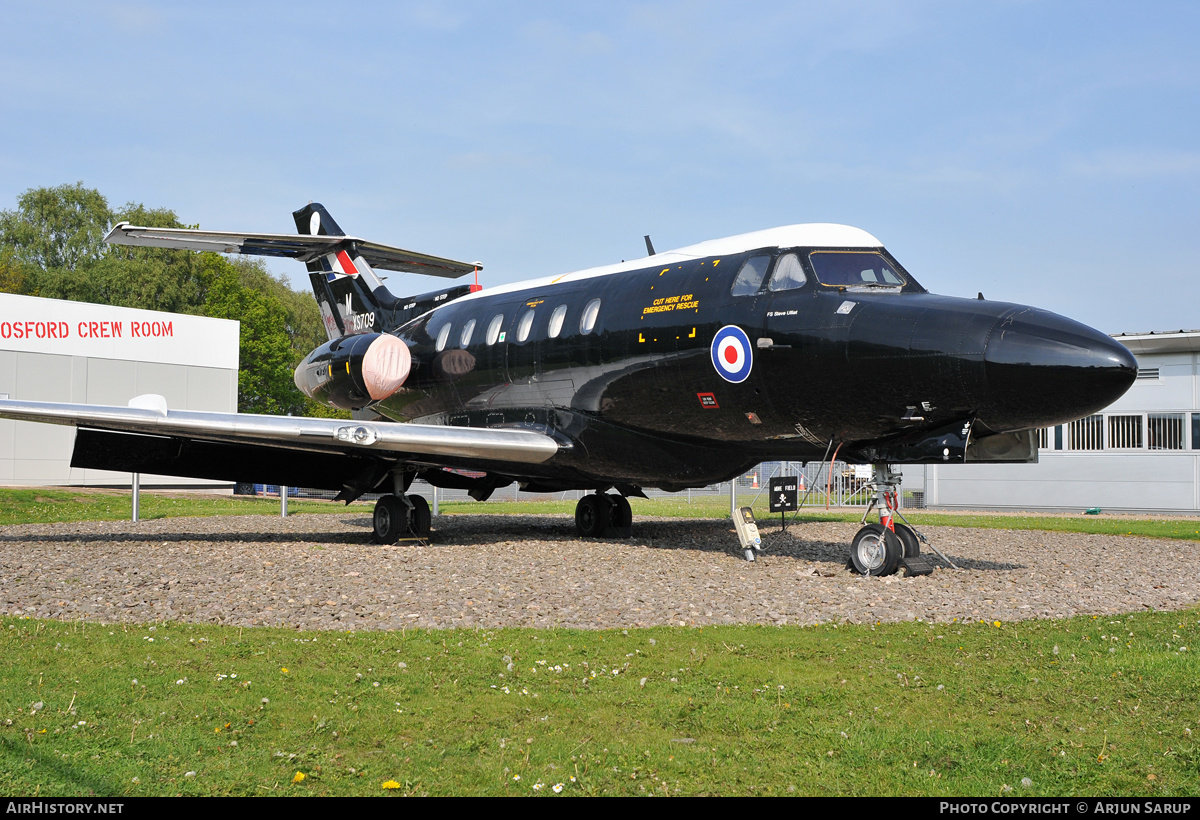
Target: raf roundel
pixel 731 354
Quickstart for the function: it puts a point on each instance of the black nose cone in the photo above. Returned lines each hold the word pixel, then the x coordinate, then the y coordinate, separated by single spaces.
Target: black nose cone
pixel 1044 369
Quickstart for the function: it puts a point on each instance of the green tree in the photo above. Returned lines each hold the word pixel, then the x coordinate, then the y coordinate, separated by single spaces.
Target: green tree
pixel 265 352
pixel 58 227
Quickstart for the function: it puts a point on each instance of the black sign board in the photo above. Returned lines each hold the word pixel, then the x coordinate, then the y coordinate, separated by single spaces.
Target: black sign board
pixel 784 494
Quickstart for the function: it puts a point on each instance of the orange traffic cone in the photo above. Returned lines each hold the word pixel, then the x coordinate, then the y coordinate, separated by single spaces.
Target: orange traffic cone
pixel 755 484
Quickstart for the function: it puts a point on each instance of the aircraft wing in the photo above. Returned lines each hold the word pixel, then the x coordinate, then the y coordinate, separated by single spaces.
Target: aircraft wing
pixel 292 246
pixel 298 451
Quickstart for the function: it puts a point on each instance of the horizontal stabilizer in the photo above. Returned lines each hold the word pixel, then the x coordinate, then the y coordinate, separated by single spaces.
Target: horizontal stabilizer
pixel 305 248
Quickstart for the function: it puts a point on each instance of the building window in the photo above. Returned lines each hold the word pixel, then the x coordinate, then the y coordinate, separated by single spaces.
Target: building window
pixel 1086 434
pixel 1124 432
pixel 1165 431
pixel 1196 431
pixel 1044 438
pixel 1058 437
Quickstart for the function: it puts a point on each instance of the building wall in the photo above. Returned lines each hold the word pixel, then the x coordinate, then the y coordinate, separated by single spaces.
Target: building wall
pixel 190 360
pixel 1112 477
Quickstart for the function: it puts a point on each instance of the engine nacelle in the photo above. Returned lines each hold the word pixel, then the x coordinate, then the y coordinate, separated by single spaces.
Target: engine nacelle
pixel 354 371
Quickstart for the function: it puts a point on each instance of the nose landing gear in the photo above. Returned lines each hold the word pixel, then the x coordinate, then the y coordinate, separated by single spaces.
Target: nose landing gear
pixel 881 549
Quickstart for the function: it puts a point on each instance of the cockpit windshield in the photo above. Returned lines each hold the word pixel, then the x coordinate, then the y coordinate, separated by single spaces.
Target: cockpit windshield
pixel 855 269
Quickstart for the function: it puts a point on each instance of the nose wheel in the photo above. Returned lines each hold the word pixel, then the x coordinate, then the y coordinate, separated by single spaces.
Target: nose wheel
pixel 883 548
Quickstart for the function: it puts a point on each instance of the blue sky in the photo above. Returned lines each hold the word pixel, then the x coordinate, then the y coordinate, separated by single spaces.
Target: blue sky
pixel 1044 153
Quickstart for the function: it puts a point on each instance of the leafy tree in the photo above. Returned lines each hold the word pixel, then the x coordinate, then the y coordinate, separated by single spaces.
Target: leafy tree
pixel 265 353
pixel 58 227
pixel 51 246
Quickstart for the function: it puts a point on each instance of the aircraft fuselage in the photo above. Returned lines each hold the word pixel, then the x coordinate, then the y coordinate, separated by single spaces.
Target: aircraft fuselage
pixel 642 395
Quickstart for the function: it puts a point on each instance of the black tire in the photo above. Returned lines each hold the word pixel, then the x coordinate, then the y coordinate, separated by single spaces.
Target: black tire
pixel 593 514
pixel 390 520
pixel 876 549
pixel 908 538
pixel 421 521
pixel 622 516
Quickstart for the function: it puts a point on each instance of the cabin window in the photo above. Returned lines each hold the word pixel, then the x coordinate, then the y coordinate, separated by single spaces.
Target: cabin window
pixel 1165 431
pixel 493 331
pixel 788 274
pixel 467 331
pixel 443 336
pixel 556 321
pixel 587 322
pixel 749 276
pixel 850 268
pixel 525 325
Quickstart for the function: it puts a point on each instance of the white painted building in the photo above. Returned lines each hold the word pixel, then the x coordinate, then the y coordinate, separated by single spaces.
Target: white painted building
pixel 1141 453
pixel 53 350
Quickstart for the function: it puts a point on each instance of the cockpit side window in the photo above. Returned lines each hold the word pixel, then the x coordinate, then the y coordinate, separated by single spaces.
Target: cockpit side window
pixel 850 268
pixel 788 275
pixel 749 276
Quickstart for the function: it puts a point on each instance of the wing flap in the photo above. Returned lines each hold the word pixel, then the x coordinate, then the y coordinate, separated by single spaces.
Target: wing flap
pixel 303 247
pixel 326 435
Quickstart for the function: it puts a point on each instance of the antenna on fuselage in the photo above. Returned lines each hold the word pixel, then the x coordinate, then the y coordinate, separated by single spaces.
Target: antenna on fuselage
pixel 649 246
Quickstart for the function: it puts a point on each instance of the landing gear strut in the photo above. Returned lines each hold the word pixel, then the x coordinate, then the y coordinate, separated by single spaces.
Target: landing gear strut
pixel 601 515
pixel 881 549
pixel 400 516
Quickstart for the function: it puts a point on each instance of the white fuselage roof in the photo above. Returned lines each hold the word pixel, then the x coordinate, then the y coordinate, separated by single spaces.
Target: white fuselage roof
pixel 814 234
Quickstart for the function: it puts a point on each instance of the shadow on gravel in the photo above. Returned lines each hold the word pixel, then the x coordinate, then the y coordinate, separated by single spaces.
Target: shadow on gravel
pixel 175 537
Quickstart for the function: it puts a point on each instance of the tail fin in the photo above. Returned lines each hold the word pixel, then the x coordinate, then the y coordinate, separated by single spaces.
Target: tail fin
pixel 351 296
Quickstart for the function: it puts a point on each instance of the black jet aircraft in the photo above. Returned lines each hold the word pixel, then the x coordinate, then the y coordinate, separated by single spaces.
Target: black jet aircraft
pixel 680 369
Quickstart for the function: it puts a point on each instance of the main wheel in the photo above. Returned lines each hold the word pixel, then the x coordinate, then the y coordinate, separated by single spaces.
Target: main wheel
pixel 875 550
pixel 421 521
pixel 912 545
pixel 622 516
pixel 593 514
pixel 390 520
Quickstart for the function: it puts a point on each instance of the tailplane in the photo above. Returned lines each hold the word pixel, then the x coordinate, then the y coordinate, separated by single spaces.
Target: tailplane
pixel 351 296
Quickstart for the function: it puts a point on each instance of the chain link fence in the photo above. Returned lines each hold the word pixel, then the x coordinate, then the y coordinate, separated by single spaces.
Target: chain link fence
pixel 842 485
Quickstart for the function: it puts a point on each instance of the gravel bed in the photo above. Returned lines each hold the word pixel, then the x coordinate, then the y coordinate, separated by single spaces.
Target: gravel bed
pixel 321 572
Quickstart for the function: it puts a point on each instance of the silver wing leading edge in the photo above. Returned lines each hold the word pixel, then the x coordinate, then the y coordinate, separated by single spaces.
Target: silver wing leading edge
pixel 351 456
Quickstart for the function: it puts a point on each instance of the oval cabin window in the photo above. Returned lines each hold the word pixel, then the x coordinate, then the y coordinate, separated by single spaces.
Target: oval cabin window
pixel 587 322
pixel 493 332
pixel 556 321
pixel 525 325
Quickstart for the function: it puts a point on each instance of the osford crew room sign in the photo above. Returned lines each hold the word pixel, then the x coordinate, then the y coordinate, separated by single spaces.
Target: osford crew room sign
pixel 731 354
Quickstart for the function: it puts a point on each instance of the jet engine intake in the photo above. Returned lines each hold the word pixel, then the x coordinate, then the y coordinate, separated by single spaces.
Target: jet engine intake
pixel 355 371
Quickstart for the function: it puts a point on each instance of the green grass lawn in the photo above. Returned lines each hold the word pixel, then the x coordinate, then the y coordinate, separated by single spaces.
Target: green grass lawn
pixel 1086 706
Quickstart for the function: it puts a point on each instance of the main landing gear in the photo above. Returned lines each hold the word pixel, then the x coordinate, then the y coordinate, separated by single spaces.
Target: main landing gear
pixel 401 516
pixel 603 515
pixel 881 549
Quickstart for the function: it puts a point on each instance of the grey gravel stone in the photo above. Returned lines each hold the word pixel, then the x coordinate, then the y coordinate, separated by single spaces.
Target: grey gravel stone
pixel 321 572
